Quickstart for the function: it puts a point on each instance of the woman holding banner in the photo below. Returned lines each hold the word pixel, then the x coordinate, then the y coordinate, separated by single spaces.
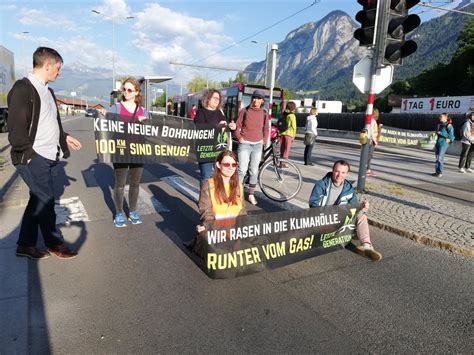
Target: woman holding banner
pixel 222 195
pixel 212 114
pixel 129 109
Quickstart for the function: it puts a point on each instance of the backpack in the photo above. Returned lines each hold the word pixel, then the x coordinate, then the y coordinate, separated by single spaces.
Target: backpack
pixel 282 123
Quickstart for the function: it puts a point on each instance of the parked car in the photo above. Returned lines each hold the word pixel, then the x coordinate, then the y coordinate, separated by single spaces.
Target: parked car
pixel 92 112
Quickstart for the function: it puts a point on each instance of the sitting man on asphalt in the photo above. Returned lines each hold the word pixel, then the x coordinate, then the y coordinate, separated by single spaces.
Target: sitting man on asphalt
pixel 334 189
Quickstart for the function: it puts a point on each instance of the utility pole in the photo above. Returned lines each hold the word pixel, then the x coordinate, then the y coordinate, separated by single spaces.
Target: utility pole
pixel 270 79
pixel 382 9
pixel 384 24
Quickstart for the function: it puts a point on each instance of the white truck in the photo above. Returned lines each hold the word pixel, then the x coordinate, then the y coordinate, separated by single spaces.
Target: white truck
pixel 7 79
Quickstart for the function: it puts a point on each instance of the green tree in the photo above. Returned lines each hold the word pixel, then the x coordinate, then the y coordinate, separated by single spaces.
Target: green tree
pixel 198 83
pixel 287 94
pixel 160 101
pixel 241 77
pixel 454 78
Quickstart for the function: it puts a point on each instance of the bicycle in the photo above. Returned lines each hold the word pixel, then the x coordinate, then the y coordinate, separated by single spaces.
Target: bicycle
pixel 279 179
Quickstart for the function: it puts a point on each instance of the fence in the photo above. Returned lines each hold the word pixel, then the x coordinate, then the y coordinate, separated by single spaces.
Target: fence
pixel 354 122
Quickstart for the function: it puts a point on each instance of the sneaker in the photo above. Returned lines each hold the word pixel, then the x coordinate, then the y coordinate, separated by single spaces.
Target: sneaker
pixel 32 253
pixel 134 217
pixel 462 170
pixel 62 251
pixel 469 170
pixel 120 220
pixel 437 174
pixel 369 251
pixel 252 200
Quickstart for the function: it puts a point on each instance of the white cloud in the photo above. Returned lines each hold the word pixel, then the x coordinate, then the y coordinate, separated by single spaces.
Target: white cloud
pixel 34 17
pixel 82 50
pixel 166 35
pixel 170 35
pixel 114 9
pixel 7 8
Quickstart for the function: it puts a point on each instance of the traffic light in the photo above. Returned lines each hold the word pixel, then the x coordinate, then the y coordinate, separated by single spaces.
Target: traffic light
pixel 367 17
pixel 399 23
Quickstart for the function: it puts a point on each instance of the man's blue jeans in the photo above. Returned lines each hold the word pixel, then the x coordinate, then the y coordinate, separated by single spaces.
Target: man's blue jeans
pixel 249 159
pixel 38 176
pixel 440 151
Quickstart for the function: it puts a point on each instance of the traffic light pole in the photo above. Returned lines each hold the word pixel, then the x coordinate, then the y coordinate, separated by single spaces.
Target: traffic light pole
pixel 364 152
pixel 377 53
pixel 271 70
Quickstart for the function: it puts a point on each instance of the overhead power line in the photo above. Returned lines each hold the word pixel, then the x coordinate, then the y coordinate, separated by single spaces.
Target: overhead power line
pixel 257 33
pixel 444 9
pixel 216 68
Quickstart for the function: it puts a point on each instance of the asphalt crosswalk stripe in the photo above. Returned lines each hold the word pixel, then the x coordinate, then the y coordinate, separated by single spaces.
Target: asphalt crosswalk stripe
pixel 147 203
pixel 70 210
pixel 192 192
pixel 182 186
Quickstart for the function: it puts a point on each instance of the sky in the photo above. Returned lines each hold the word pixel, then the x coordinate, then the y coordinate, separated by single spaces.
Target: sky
pixel 216 33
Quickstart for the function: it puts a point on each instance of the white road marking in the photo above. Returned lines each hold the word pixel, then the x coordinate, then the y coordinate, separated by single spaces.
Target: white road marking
pixel 182 186
pixel 189 190
pixel 70 210
pixel 147 203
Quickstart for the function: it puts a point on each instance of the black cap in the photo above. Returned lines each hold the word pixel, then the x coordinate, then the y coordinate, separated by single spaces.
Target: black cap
pixel 259 93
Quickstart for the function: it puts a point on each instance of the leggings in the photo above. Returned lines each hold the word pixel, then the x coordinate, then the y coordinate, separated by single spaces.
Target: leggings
pixel 121 171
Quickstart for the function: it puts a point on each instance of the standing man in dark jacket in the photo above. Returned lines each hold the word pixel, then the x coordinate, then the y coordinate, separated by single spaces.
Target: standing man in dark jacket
pixel 38 140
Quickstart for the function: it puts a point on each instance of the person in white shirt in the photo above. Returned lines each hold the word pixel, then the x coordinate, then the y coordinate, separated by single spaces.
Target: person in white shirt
pixel 310 134
pixel 38 141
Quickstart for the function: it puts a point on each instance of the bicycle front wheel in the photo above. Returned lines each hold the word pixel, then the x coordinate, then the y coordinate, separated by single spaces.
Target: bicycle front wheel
pixel 280 182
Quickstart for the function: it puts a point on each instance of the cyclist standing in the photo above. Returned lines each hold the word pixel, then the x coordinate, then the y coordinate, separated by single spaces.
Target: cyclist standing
pixel 252 134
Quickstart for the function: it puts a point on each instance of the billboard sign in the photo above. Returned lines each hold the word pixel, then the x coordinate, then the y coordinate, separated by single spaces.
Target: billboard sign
pixel 448 104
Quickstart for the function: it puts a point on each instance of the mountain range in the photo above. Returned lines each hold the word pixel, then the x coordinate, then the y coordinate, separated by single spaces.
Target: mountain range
pixel 315 56
pixel 79 78
pixel 321 55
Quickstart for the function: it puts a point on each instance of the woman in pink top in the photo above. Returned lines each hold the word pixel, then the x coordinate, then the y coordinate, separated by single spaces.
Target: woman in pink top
pixel 129 109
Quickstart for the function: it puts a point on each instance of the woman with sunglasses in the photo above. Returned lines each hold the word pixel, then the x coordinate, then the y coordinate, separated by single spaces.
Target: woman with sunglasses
pixel 222 195
pixel 129 109
pixel 210 113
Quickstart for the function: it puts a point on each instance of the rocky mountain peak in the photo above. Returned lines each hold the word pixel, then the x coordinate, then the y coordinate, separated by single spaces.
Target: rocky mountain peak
pixel 326 46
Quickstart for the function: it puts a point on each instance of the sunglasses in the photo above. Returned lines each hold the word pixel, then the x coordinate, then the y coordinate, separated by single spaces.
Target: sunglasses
pixel 228 165
pixel 128 90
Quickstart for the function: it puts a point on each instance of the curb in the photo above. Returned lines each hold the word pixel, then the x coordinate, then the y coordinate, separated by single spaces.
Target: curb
pixel 19 202
pixel 422 239
pixel 5 147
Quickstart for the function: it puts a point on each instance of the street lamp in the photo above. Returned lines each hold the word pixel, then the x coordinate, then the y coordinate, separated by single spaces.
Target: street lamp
pixel 113 40
pixel 24 33
pixel 266 62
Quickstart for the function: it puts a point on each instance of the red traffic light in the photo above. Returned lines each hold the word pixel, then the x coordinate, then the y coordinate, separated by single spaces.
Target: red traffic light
pixel 368 19
pixel 368 4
